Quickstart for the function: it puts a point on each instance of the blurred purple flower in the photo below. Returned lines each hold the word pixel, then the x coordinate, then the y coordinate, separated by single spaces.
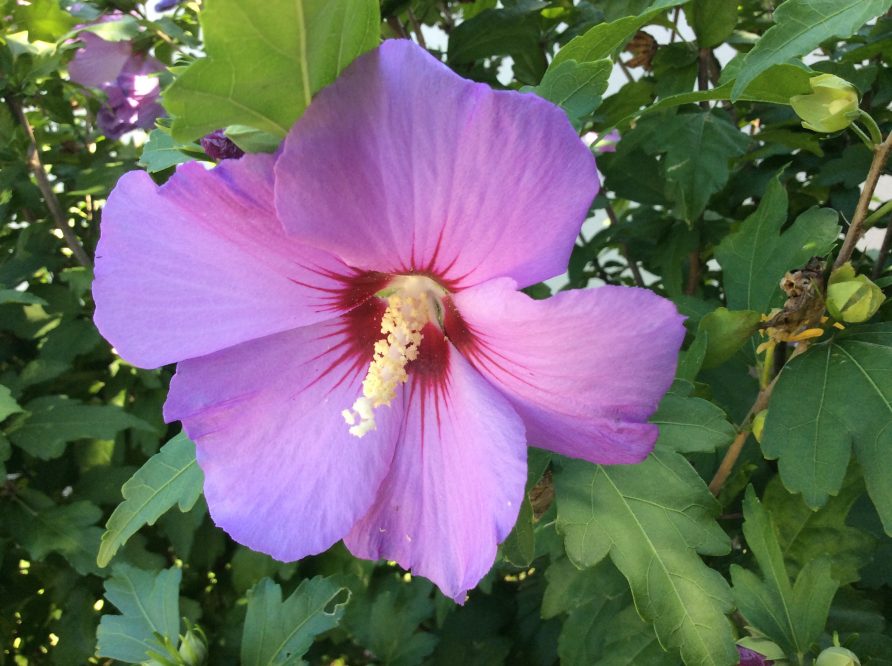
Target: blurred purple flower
pixel 752 658
pixel 602 144
pixel 164 5
pixel 419 213
pixel 128 80
pixel 218 146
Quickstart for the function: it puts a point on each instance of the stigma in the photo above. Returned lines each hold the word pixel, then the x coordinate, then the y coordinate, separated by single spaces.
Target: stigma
pixel 412 303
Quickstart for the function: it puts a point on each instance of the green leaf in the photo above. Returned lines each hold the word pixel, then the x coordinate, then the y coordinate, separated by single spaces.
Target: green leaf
pixel 16 296
pixel 513 31
pixel 149 603
pixel 602 626
pixel 689 424
pixel 171 476
pixel 386 621
pixel 55 420
pixel 124 28
pixel 45 20
pixel 653 519
pixel 713 21
pixel 834 398
pixel 799 27
pixel 162 152
pixel 277 633
pixel 775 86
pixel 727 331
pixel 253 141
pixel 699 148
pixel 756 256
pixel 691 360
pixel 263 67
pixel 8 405
pixel 42 527
pixel 793 616
pixel 606 39
pixel 576 87
pixel 805 534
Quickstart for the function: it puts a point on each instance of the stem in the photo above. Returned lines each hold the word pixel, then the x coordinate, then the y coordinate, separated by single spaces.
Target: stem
pixel 861 135
pixel 693 272
pixel 877 215
pixel 397 27
pixel 884 251
pixel 46 188
pixel 733 452
pixel 880 155
pixel 624 248
pixel 626 71
pixel 633 265
pixel 674 33
pixel 876 135
pixel 416 27
pixel 703 73
pixel 448 23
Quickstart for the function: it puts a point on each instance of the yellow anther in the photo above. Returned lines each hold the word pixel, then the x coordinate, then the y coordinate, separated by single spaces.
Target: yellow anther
pixel 408 311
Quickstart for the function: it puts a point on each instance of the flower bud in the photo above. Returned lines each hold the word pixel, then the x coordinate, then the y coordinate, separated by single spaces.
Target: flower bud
pixel 830 107
pixel 752 658
pixel 852 298
pixel 837 656
pixel 218 146
pixel 193 647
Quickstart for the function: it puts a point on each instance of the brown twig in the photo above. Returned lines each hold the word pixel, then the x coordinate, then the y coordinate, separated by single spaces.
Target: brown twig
pixel 633 265
pixel 693 272
pixel 416 27
pixel 397 27
pixel 46 188
pixel 624 248
pixel 626 71
pixel 674 32
pixel 880 156
pixel 733 452
pixel 448 23
pixel 704 56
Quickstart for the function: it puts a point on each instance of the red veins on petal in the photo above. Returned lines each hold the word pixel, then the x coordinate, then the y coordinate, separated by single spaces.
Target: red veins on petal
pixel 352 290
pixel 353 338
pixel 430 373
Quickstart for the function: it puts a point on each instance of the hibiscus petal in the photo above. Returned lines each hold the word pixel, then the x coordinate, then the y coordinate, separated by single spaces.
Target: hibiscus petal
pixel 585 369
pixel 412 168
pixel 202 264
pixel 456 481
pixel 99 62
pixel 282 474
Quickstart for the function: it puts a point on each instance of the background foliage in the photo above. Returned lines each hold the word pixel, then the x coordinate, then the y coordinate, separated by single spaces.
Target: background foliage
pixel 714 192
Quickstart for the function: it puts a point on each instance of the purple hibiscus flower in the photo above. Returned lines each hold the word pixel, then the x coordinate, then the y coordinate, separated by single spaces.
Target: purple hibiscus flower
pixel 127 78
pixel 355 359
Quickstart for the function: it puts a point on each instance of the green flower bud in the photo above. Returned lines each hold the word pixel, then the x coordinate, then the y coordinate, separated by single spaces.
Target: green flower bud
pixel 759 425
pixel 831 106
pixel 837 656
pixel 852 298
pixel 193 647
